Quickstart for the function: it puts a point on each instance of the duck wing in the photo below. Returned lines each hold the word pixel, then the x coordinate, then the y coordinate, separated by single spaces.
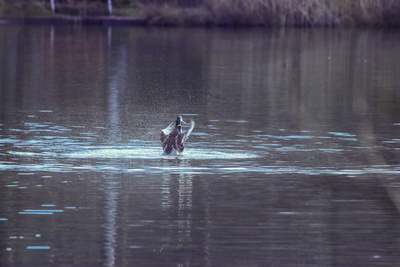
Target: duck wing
pixel 182 137
pixel 165 132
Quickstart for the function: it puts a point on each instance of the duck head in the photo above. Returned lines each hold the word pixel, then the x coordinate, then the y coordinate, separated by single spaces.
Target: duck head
pixel 179 120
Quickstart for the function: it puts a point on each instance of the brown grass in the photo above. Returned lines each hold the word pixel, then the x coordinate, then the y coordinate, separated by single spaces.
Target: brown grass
pixel 275 12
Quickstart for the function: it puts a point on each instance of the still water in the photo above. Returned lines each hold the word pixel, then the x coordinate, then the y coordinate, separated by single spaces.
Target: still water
pixel 294 160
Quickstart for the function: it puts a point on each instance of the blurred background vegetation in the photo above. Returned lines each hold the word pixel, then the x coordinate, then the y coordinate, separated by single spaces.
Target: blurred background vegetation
pixel 219 12
pixel 40 8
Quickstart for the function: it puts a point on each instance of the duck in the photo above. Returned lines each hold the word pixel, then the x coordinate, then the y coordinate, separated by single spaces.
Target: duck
pixel 172 137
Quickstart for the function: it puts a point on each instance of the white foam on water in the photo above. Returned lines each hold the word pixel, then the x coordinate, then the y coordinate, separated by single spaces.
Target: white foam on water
pixel 156 152
pixel 117 153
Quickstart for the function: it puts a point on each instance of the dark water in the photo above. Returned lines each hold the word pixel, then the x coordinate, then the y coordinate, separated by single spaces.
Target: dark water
pixel 294 160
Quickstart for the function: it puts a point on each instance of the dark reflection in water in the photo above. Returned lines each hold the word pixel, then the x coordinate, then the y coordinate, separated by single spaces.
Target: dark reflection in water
pixel 294 160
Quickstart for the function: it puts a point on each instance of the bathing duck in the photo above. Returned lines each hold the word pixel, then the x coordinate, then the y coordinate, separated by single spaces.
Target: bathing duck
pixel 172 137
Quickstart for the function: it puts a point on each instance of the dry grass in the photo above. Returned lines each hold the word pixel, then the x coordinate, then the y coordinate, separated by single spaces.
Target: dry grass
pixel 276 12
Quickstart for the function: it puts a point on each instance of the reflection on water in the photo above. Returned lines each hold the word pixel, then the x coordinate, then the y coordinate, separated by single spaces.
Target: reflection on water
pixel 110 216
pixel 294 160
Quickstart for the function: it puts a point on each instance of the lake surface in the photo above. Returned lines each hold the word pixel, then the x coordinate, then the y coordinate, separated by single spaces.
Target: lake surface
pixel 294 160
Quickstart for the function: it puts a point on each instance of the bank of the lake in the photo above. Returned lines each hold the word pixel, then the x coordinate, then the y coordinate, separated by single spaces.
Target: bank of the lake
pixel 69 20
pixel 302 13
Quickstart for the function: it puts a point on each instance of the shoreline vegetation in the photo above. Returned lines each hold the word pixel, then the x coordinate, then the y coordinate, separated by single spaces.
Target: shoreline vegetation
pixel 297 13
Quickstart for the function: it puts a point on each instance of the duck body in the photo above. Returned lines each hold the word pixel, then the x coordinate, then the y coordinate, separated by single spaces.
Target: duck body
pixel 172 138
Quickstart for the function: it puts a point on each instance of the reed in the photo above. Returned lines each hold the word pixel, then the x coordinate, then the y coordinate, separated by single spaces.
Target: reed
pixel 274 12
